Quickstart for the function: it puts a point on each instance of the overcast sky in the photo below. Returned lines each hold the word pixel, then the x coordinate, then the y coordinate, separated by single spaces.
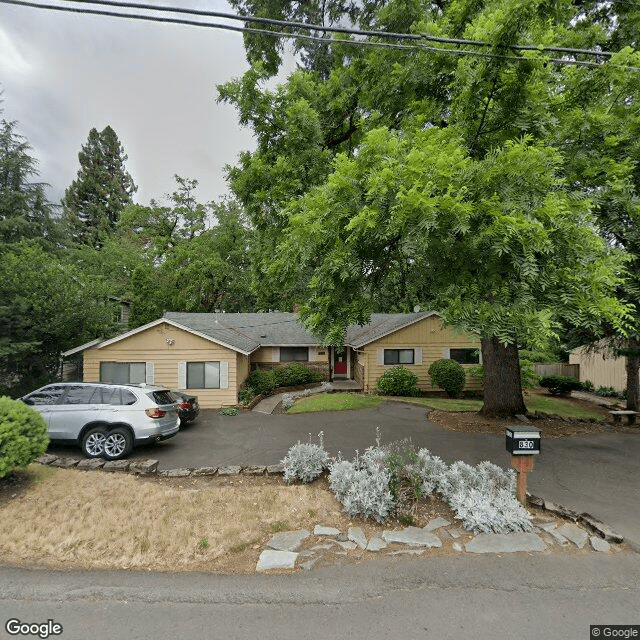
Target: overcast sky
pixel 155 84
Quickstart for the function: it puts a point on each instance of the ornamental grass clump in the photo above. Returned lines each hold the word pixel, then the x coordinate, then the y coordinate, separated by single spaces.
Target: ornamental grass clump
pixel 305 461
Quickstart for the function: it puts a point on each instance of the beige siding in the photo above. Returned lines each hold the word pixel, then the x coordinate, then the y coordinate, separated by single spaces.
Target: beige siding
pixel 600 367
pixel 272 354
pixel 427 334
pixel 166 346
pixel 242 367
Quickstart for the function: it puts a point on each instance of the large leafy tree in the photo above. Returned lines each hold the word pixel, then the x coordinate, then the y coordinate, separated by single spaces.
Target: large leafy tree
pixel 93 202
pixel 193 256
pixel 449 166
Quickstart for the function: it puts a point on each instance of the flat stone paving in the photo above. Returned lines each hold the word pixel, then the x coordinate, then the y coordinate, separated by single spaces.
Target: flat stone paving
pixel 328 542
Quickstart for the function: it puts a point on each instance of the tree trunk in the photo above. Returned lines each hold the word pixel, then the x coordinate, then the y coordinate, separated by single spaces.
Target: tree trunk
pixel 502 383
pixel 633 379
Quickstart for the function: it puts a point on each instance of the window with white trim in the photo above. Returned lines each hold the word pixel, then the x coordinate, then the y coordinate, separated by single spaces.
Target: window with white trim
pixel 398 356
pixel 465 356
pixel 203 375
pixel 123 372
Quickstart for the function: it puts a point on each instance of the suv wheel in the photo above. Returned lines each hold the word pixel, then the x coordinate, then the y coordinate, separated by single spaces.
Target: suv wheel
pixel 117 444
pixel 93 442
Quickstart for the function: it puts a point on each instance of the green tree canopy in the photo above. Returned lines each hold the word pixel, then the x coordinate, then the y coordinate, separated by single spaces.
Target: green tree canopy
pixel 451 178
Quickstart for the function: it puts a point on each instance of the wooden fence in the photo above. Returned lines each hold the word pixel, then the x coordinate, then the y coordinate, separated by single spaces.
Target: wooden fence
pixel 557 369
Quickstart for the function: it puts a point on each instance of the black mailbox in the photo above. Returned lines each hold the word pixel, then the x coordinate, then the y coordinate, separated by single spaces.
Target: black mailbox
pixel 523 440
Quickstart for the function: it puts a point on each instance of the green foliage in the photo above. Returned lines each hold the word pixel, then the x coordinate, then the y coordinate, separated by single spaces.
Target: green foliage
pixel 466 185
pixel 294 374
pixel 23 435
pixel 49 305
pixel 609 392
pixel 398 381
pixel 560 385
pixel 587 385
pixel 229 411
pixel 261 381
pixel 94 200
pixel 187 264
pixel 24 209
pixel 448 375
pixel 246 395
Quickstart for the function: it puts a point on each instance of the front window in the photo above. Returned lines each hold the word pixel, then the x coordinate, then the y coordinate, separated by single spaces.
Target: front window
pixel 465 356
pixel 398 356
pixel 294 354
pixel 123 372
pixel 203 375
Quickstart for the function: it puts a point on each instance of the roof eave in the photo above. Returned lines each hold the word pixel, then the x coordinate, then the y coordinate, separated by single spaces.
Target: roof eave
pixel 177 325
pixel 358 345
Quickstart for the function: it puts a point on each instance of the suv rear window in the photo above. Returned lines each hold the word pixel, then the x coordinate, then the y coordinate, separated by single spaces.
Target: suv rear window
pixel 123 397
pixel 162 397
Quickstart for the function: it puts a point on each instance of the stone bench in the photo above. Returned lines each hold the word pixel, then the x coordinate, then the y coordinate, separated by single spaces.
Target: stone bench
pixel 617 416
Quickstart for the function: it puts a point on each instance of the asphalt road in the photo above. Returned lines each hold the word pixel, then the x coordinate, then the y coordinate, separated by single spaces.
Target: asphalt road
pixel 598 474
pixel 529 597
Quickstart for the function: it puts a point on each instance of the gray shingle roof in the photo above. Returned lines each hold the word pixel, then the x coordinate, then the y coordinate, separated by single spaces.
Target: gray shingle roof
pixel 248 331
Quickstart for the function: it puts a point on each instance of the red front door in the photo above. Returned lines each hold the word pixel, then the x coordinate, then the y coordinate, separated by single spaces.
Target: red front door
pixel 340 363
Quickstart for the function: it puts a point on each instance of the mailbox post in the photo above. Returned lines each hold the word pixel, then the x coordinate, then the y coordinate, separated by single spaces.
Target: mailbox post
pixel 523 443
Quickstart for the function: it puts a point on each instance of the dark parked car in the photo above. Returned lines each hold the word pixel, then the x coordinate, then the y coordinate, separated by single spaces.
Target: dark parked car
pixel 188 407
pixel 106 419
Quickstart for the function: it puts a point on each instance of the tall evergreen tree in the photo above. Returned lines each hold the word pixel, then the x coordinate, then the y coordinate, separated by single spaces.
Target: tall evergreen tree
pixel 24 209
pixel 94 200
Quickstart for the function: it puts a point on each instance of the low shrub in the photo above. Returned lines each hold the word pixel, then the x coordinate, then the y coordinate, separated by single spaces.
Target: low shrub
pixel 448 375
pixel 294 374
pixel 305 461
pixel 560 385
pixel 246 395
pixel 23 435
pixel 229 411
pixel 587 385
pixel 398 381
pixel 610 392
pixel 261 381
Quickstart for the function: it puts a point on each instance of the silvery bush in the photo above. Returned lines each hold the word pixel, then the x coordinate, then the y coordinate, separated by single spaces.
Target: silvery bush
pixel 305 461
pixel 363 486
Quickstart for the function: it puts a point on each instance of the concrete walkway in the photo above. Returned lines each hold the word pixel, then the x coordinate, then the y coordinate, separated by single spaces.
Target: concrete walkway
pixel 269 404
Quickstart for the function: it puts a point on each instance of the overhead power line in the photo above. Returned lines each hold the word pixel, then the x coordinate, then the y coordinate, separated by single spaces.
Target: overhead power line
pixel 331 29
pixel 328 41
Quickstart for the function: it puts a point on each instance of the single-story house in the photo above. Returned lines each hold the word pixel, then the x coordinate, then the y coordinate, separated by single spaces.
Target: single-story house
pixel 212 354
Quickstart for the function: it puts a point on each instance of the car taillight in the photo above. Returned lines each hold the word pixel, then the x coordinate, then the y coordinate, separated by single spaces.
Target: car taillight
pixel 155 412
pixel 184 405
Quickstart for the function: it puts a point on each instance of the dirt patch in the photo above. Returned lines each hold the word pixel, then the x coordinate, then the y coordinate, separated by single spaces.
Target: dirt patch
pixel 550 426
pixel 14 485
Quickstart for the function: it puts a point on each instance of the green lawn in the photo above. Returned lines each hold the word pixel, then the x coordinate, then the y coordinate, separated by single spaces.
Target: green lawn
pixel 352 401
pixel 559 407
pixel 335 402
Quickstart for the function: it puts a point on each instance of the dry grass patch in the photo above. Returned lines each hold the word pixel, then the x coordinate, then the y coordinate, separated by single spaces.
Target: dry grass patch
pixel 82 519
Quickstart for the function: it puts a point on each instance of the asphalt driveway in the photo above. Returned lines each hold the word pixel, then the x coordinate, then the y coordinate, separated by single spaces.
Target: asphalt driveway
pixel 598 473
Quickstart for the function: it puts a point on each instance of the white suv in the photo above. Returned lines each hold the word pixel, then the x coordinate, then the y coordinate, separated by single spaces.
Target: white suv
pixel 106 419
